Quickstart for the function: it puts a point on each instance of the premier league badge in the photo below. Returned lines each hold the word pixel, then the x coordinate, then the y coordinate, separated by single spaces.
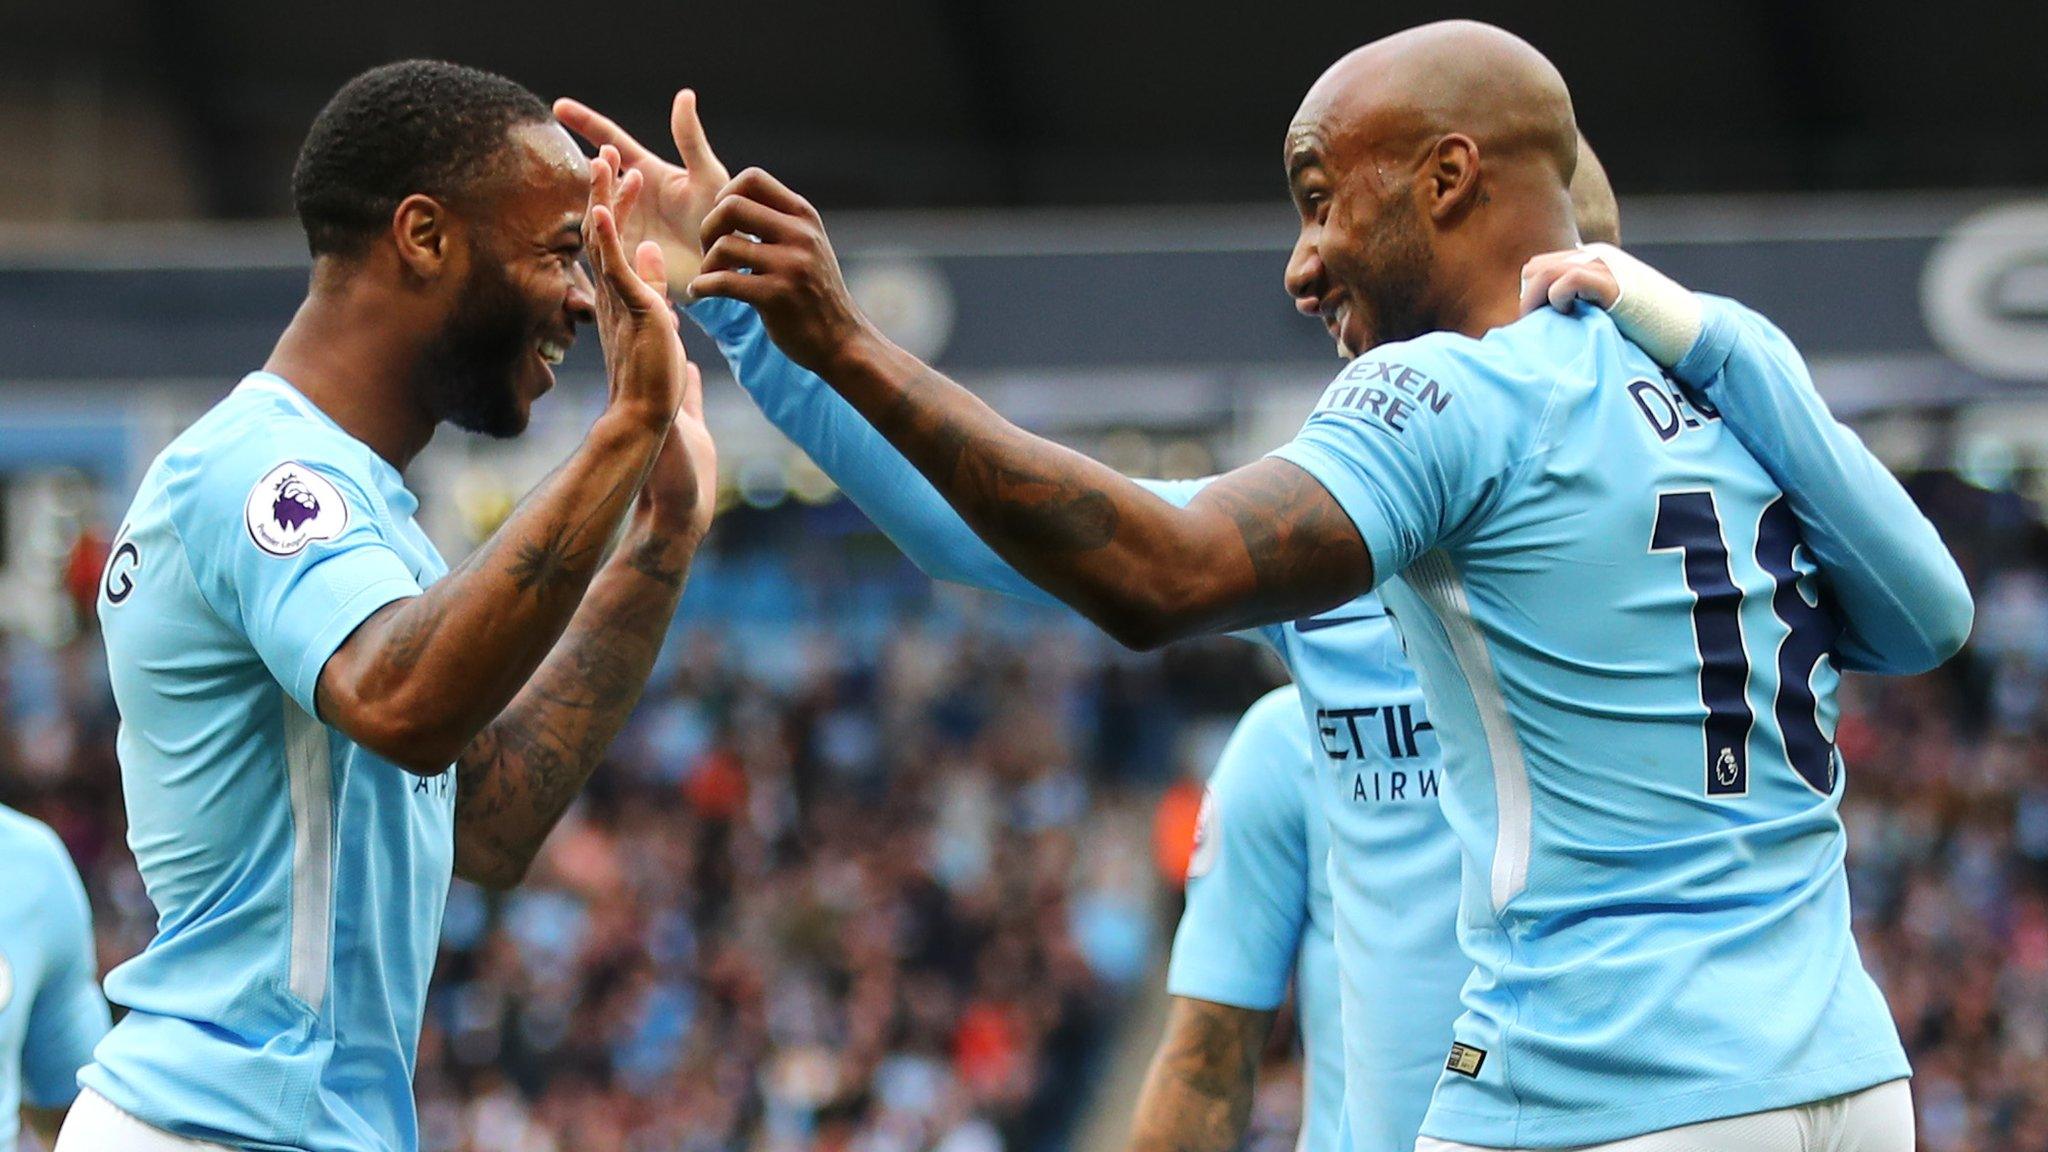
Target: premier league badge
pixel 291 507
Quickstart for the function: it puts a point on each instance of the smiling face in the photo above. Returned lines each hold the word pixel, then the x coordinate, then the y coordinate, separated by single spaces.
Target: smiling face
pixel 515 313
pixel 1362 258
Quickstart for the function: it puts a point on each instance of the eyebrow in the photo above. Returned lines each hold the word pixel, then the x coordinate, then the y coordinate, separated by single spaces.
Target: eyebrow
pixel 1300 160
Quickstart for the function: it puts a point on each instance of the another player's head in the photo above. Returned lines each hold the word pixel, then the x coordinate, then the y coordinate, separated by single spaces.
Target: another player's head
pixel 1593 203
pixel 1426 166
pixel 454 191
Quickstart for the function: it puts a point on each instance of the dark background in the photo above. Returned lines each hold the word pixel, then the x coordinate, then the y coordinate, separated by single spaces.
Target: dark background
pixel 980 102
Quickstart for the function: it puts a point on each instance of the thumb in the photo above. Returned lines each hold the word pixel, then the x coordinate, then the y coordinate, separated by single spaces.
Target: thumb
pixel 691 143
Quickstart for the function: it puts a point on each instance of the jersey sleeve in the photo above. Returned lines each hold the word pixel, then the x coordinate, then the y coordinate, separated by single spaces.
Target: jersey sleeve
pixel 880 482
pixel 69 1015
pixel 1248 884
pixel 1416 440
pixel 1904 605
pixel 295 549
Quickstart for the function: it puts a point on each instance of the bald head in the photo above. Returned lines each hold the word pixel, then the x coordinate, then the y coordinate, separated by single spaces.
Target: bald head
pixel 1454 76
pixel 1593 202
pixel 1427 167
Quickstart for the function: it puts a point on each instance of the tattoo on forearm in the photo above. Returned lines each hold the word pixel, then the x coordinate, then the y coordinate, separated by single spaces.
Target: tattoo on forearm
pixel 520 774
pixel 1033 507
pixel 558 560
pixel 1198 1095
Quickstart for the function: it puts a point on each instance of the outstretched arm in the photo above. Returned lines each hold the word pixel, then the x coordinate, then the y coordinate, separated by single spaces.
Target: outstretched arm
pixel 901 502
pixel 1198 1093
pixel 1261 544
pixel 1905 605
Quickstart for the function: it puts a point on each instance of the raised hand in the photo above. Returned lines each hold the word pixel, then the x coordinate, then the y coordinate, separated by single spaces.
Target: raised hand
pixel 1650 308
pixel 643 351
pixel 765 245
pixel 681 490
pixel 678 196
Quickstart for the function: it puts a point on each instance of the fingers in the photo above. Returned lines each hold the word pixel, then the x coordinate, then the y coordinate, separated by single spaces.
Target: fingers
pixel 734 251
pixel 598 128
pixel 736 212
pixel 691 143
pixel 733 286
pixel 599 202
pixel 626 194
pixel 651 266
pixel 757 184
pixel 1559 279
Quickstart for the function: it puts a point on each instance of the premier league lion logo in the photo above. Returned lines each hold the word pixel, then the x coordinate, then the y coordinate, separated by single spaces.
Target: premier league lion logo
pixel 293 506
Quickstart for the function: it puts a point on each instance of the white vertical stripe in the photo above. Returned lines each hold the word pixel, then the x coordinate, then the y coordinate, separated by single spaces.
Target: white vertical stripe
pixel 310 773
pixel 1437 582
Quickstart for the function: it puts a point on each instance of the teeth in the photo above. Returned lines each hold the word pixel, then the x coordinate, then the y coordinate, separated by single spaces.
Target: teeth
pixel 553 352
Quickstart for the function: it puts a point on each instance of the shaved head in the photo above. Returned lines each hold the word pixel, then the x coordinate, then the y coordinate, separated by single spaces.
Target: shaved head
pixel 1400 93
pixel 1593 202
pixel 1427 166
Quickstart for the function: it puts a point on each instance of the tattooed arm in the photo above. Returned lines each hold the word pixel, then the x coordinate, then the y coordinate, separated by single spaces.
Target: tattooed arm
pixel 1198 1093
pixel 517 778
pixel 1261 544
pixel 419 679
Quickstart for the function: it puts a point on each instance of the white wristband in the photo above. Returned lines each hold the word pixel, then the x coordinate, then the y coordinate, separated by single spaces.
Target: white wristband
pixel 1658 313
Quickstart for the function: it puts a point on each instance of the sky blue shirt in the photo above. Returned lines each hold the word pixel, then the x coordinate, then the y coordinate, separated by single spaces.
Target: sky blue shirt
pixel 1258 898
pixel 51 1010
pixel 1393 876
pixel 1626 649
pixel 299 879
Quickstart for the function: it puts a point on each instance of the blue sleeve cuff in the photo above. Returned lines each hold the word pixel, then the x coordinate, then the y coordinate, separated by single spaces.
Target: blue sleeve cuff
pixel 336 630
pixel 1720 327
pixel 715 314
pixel 1358 500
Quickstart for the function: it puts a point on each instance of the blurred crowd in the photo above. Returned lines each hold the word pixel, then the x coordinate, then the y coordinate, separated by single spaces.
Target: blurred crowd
pixel 866 876
pixel 871 869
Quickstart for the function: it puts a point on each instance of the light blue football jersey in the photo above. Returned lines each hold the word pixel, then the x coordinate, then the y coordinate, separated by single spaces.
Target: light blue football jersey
pixel 299 879
pixel 1394 872
pixel 1625 652
pixel 1258 898
pixel 51 1010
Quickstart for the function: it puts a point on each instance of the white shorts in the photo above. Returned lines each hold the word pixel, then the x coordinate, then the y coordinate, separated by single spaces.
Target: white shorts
pixel 95 1125
pixel 1876 1119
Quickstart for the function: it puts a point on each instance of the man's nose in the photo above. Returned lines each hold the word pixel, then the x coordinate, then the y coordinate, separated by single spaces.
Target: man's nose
pixel 582 302
pixel 1304 276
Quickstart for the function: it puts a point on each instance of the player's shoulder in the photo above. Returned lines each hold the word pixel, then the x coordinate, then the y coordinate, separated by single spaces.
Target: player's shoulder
pixel 263 436
pixel 1277 710
pixel 1270 739
pixel 34 855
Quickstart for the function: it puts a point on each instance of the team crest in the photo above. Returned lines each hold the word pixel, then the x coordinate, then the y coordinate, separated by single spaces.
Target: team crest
pixel 291 507
pixel 1203 857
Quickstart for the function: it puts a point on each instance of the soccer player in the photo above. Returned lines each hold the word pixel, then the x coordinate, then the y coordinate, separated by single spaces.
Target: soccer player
pixel 319 720
pixel 1612 602
pixel 51 1010
pixel 1258 911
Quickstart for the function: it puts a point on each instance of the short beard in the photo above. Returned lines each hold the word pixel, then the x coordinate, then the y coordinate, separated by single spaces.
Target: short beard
pixel 1394 290
pixel 468 374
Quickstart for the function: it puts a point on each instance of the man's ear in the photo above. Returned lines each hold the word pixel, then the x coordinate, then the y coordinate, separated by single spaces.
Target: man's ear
pixel 1451 176
pixel 423 230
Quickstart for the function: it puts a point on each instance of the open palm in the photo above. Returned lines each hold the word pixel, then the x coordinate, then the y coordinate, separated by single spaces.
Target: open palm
pixel 676 196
